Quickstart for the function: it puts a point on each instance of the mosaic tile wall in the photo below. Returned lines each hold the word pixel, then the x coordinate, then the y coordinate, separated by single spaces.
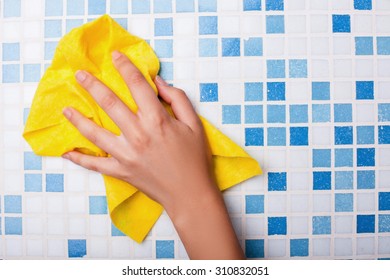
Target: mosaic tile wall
pixel 303 85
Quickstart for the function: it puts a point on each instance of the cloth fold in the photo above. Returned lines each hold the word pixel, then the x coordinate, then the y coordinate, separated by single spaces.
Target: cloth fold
pixel 89 48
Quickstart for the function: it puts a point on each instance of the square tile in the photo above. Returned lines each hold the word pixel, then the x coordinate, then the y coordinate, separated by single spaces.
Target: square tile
pixel 277 225
pixel 341 23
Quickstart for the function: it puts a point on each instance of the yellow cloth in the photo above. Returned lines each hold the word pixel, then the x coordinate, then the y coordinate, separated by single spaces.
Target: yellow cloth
pixel 89 47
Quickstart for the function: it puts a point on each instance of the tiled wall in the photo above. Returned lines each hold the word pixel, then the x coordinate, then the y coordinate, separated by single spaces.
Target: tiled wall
pixel 303 85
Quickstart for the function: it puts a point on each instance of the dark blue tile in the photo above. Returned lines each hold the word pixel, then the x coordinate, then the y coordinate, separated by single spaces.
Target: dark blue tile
pixel 341 23
pixel 277 181
pixel 276 91
pixel 254 248
pixel 274 5
pixel 384 134
pixel 362 4
pixel 231 47
pixel 299 247
pixel 384 201
pixel 254 136
pixel 322 180
pixel 364 90
pixel 365 157
pixel 252 5
pixel 299 136
pixel 277 225
pixel 365 224
pixel 77 248
pixel 343 135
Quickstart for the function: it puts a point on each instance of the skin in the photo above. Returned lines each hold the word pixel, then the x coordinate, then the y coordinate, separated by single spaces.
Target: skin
pixel 166 158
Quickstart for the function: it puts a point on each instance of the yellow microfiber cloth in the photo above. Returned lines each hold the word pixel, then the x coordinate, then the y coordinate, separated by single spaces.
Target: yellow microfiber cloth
pixel 49 133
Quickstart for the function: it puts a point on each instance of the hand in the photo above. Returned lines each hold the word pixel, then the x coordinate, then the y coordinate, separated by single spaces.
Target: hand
pixel 165 157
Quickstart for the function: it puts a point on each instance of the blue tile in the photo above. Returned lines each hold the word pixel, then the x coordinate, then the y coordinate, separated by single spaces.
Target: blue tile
pixel 162 6
pixel 53 8
pixel 365 179
pixel 166 71
pixel 321 225
pixel 342 112
pixel 11 8
pixel 383 45
pixel 254 204
pixel 298 68
pixel 252 5
pixel 276 113
pixel 384 112
pixel 384 201
pixel 75 7
pixel 207 5
pixel 274 5
pixel 11 51
pixel 344 202
pixel 341 23
pixel 322 158
pixel 123 22
pixel 276 69
pixel 26 112
pixel 320 113
pixel 208 47
pixel 32 161
pixel 115 231
pixel 73 23
pixel 231 114
pixel 231 47
pixel 53 28
pixel 31 72
pixel 298 114
pixel 277 225
pixel 383 223
pixel 13 226
pixel 185 6
pixel 54 182
pixel 208 92
pixel 277 181
pixel 320 90
pixel 254 136
pixel 299 136
pixel 322 180
pixel 208 25
pixel 253 91
pixel 165 249
pixel 77 248
pixel 344 180
pixel 50 48
pixel 343 157
pixel 254 248
pixel 97 205
pixel 140 6
pixel 365 134
pixel 365 157
pixel 362 4
pixel 163 48
pixel 364 90
pixel 276 91
pixel 276 136
pixel 97 7
pixel 343 135
pixel 163 27
pixel 253 113
pixel 119 7
pixel 253 46
pixel 11 73
pixel 13 204
pixel 299 247
pixel 365 224
pixel 384 134
pixel 364 45
pixel 275 24
pixel 32 182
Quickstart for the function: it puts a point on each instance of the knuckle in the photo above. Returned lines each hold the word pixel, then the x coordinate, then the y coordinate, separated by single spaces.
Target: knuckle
pixel 108 101
pixel 136 78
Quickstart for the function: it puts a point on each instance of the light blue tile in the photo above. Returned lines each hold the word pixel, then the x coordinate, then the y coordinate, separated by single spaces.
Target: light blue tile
pixel 252 5
pixel 254 204
pixel 365 134
pixel 31 72
pixel 12 8
pixel 207 5
pixel 73 23
pixel 231 47
pixel 123 22
pixel 166 71
pixel 343 157
pixel 164 48
pixel 140 6
pixel 298 114
pixel 383 45
pixel 165 249
pixel 253 91
pixel 75 7
pixel 208 92
pixel 276 68
pixel 13 226
pixel 13 204
pixel 344 180
pixel 384 112
pixel 275 24
pixel 54 182
pixel 97 205
pixel 163 27
pixel 253 46
pixel 384 223
pixel 299 136
pixel 276 136
pixel 162 6
pixel 11 51
pixel 185 6
pixel 253 114
pixel 119 7
pixel 298 68
pixel 53 28
pixel 254 136
pixel 54 8
pixel 344 202
pixel 342 112
pixel 97 7
pixel 322 158
pixel 208 47
pixel 321 225
pixel 364 46
pixel 11 73
pixel 32 182
pixel 276 113
pixel 320 113
pixel 77 248
pixel 231 114
pixel 115 231
pixel 365 179
pixel 276 91
pixel 208 25
pixel 320 90
pixel 50 48
pixel 32 161
pixel 26 112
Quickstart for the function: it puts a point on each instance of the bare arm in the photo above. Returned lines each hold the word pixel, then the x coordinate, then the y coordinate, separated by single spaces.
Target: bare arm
pixel 166 158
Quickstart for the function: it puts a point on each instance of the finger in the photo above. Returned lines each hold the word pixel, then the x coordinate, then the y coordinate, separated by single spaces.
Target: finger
pixel 99 136
pixel 142 92
pixel 180 104
pixel 103 165
pixel 107 100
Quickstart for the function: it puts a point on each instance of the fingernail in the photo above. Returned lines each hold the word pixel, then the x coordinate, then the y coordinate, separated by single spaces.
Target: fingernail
pixel 66 156
pixel 67 112
pixel 161 81
pixel 115 55
pixel 81 76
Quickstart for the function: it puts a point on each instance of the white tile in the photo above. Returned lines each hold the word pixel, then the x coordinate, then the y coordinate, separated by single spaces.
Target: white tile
pixel 208 70
pixel 34 248
pixel 384 179
pixel 32 8
pixel 384 156
pixel 295 24
pixel 184 48
pixel 96 183
pixel 184 70
pixel 140 26
pixel 185 26
pixel 340 4
pixel 297 91
pixel 299 158
pixel 55 204
pixel 319 23
pixel 343 90
pixel 252 25
pixel 232 93
pixel 233 204
pixel 13 182
pixel 77 226
pixel 33 204
pixel 321 135
pixel 297 46
pixel 32 52
pixel 276 248
pixel 362 23
pixel 53 163
pixel 11 31
pixel 319 45
pixel 319 68
pixel 299 203
pixel 56 225
pixel 232 5
pixel 296 5
pixel 276 159
pixel 319 4
pixel 229 25
pixel 276 203
pixel 99 225
pixel 11 116
pixel 32 29
pixel 299 181
pixel 364 68
pixel 34 226
pixel 344 224
pixel 383 68
pixel 342 68
pixel 382 5
pixel 322 203
pixel 164 227
pixel 273 46
pixel 98 248
pixel 14 247
pixel 77 205
pixel 321 247
pixel 366 202
pixel 342 45
pixel 365 246
pixel 230 69
pixel 76 181
pixel 252 68
pixel 299 225
pixel 382 24
pixel 11 139
pixel 382 90
pixel 384 245
pixel 143 250
pixel 343 247
pixel 56 248
pixel 365 113
pixel 121 247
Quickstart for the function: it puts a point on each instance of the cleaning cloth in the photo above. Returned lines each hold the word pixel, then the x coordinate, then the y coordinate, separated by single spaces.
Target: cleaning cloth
pixel 49 133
